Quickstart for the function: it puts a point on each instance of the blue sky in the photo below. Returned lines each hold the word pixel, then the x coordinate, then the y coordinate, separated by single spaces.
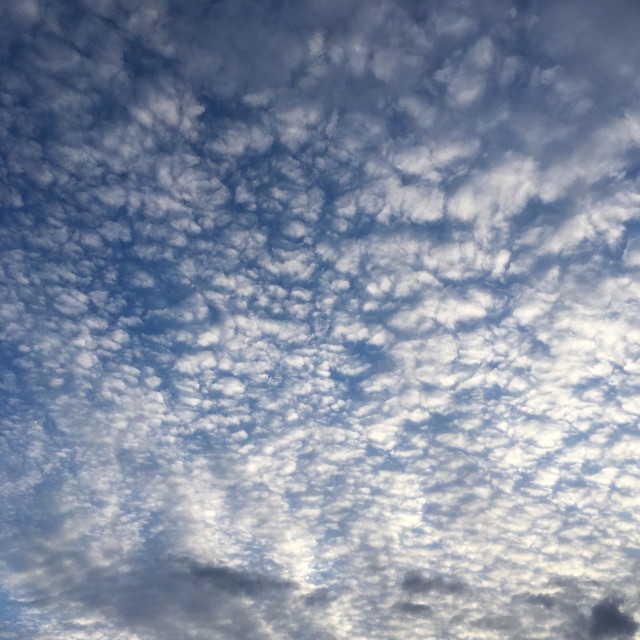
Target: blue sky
pixel 320 320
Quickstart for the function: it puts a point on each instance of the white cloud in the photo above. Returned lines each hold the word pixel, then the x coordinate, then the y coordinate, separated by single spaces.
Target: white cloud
pixel 490 198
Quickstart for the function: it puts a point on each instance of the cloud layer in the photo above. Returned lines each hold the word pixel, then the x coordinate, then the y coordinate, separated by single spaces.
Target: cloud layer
pixel 320 320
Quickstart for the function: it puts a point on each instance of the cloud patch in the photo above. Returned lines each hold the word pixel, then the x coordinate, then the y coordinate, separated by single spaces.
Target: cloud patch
pixel 608 621
pixel 416 582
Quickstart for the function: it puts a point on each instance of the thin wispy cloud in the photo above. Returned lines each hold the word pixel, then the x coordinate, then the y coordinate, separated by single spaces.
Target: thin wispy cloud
pixel 319 320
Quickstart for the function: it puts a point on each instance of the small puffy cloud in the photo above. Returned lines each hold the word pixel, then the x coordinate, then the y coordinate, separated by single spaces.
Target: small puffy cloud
pixel 229 386
pixel 115 230
pixel 235 581
pixel 191 364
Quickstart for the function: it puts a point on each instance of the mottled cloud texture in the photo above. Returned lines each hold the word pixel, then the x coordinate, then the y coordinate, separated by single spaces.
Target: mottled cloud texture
pixel 320 320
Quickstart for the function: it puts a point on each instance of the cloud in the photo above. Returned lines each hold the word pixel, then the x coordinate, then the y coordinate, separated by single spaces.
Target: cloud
pixel 608 621
pixel 319 320
pixel 415 582
pixel 412 609
pixel 546 600
pixel 235 581
pixel 319 598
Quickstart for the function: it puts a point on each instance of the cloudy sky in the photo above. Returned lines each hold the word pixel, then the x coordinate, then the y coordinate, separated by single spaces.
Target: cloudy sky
pixel 320 320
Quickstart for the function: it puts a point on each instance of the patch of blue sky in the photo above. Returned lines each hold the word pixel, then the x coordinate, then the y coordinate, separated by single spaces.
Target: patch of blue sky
pixel 13 623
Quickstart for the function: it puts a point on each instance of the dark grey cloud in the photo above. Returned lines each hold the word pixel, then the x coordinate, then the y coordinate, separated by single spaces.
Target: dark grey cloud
pixel 319 598
pixel 562 610
pixel 416 582
pixel 414 609
pixel 290 298
pixel 238 582
pixel 608 621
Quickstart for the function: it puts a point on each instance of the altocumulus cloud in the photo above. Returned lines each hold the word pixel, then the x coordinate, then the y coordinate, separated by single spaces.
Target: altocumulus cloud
pixel 320 320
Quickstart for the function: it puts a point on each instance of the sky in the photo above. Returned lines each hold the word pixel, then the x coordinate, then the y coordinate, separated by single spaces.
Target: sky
pixel 320 320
